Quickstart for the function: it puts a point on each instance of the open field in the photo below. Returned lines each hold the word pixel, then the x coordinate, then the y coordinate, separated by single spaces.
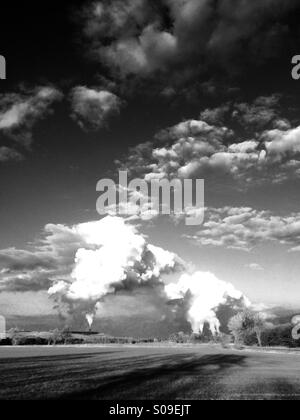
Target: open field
pixel 170 373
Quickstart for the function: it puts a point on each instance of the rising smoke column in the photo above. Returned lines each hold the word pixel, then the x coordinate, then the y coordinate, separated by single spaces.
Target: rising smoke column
pixel 114 257
pixel 205 294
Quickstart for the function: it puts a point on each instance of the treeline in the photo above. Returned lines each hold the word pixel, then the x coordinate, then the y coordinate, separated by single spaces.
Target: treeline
pixel 57 337
pixel 247 328
pixel 16 337
pixel 278 336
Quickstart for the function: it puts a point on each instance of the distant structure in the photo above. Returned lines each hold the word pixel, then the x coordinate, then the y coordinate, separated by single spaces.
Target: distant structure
pixel 2 68
pixel 2 328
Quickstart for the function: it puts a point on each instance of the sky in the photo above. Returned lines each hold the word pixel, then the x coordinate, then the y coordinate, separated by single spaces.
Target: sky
pixel 189 89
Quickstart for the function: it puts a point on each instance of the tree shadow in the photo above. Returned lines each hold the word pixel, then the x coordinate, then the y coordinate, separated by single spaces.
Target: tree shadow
pixel 149 374
pixel 169 377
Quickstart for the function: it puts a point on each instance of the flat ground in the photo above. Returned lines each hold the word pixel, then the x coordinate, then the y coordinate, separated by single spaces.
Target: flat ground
pixel 163 373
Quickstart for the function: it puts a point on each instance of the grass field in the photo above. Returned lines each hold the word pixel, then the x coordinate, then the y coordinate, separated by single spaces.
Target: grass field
pixel 163 373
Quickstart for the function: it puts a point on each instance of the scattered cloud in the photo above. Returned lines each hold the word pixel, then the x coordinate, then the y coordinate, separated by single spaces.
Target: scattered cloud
pixel 33 269
pixel 20 260
pixel 91 108
pixel 263 149
pixel 245 228
pixel 19 112
pixel 25 282
pixel 255 267
pixel 264 112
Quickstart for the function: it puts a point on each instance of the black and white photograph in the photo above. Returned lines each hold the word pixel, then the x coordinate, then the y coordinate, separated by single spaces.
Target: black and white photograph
pixel 150 203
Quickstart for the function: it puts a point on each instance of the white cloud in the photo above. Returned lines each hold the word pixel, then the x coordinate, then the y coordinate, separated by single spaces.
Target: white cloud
pixel 82 264
pixel 106 263
pixel 19 112
pixel 255 267
pixel 260 114
pixel 91 108
pixel 245 228
pixel 202 149
pixel 198 148
pixel 280 142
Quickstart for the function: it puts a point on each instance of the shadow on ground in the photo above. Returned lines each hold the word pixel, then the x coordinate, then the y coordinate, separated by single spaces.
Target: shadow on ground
pixel 163 378
pixel 149 373
pixel 113 375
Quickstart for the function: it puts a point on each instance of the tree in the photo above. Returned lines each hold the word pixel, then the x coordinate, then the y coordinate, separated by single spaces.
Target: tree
pixel 14 334
pixel 180 338
pixel 259 327
pixel 55 337
pixel 66 335
pixel 247 323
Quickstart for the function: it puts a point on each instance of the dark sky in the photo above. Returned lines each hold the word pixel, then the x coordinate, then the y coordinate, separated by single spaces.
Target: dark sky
pixel 43 44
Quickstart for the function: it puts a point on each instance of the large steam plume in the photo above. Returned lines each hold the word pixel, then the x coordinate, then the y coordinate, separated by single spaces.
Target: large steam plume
pixel 114 257
pixel 205 294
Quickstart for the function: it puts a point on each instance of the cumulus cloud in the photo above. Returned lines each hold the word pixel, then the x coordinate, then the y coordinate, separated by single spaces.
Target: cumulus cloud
pixel 19 112
pixel 245 228
pixel 196 150
pixel 82 264
pixel 185 144
pixel 263 113
pixel 138 42
pixel 141 38
pixel 263 149
pixel 106 265
pixel 91 108
pixel 280 143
